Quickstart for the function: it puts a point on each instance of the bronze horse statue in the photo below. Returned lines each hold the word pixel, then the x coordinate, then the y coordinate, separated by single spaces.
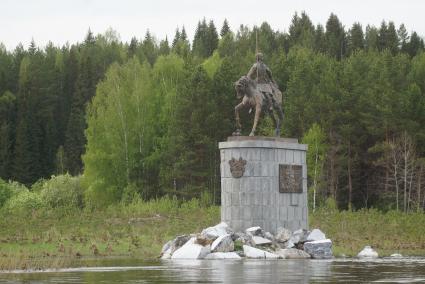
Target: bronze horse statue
pixel 246 89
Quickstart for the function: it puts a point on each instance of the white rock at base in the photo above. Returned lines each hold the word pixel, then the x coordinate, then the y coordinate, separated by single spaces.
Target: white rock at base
pixel 319 249
pixel 251 252
pixel 166 247
pixel 367 252
pixel 289 244
pixel 283 234
pixel 269 236
pixel 216 231
pixel 223 244
pixel 316 235
pixel 396 255
pixel 255 231
pixel 166 254
pixel 190 250
pixel 299 236
pixel 292 253
pixel 260 241
pixel 178 242
pixel 223 255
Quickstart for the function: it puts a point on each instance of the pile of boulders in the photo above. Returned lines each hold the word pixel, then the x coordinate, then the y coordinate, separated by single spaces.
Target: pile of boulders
pixel 221 242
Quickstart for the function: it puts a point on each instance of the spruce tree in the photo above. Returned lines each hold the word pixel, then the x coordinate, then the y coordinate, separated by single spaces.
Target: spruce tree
pixel 371 38
pixel 176 38
pixel 403 37
pixel 7 133
pixel 301 31
pixel 199 46
pixel 149 48
pixel 335 37
pixel 319 39
pixel 183 35
pixel 392 39
pixel 132 48
pixel 355 38
pixel 415 44
pixel 382 36
pixel 164 48
pixel 225 29
pixel 212 39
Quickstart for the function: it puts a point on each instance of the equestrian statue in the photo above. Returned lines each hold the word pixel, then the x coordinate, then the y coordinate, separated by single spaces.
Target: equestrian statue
pixel 258 90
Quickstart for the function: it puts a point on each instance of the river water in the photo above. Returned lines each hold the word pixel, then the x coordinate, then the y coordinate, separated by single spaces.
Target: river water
pixel 385 270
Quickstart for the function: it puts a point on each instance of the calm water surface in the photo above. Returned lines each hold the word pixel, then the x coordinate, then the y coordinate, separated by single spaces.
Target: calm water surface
pixel 386 270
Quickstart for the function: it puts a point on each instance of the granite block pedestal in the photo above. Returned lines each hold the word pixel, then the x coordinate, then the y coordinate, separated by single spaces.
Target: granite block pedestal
pixel 263 183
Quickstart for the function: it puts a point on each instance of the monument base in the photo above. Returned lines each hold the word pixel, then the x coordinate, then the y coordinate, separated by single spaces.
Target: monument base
pixel 263 183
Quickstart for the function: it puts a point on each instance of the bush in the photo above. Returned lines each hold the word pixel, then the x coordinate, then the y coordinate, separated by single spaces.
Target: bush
pixel 62 191
pixel 5 192
pixel 9 189
pixel 25 202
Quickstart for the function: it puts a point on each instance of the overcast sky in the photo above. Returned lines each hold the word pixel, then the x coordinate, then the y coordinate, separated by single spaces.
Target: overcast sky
pixel 63 21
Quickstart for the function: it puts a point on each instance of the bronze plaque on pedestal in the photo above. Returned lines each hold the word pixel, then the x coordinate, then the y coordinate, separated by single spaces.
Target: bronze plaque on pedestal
pixel 290 179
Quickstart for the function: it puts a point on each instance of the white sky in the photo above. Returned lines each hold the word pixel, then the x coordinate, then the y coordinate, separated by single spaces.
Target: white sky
pixel 63 21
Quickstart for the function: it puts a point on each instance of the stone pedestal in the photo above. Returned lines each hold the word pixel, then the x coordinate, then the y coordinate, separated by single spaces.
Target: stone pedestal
pixel 263 183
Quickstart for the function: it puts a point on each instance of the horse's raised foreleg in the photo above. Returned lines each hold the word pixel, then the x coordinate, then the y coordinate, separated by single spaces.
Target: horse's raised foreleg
pixel 257 117
pixel 238 120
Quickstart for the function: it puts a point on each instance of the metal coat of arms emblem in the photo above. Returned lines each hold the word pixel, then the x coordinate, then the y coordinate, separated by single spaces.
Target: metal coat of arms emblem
pixel 237 167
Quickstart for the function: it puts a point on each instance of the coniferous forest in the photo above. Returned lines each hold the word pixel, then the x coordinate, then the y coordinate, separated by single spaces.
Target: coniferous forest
pixel 143 118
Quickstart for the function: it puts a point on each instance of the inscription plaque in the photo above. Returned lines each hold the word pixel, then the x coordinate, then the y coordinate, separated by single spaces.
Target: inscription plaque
pixel 290 179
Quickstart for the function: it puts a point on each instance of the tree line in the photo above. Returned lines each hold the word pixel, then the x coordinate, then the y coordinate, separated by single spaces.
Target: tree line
pixel 145 117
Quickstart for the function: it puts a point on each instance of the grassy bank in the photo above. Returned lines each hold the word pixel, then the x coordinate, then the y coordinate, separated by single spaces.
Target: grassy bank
pixel 388 233
pixel 59 237
pixel 56 238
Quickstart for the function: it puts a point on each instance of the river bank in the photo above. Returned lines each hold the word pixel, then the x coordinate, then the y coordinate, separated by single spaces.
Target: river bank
pixel 61 238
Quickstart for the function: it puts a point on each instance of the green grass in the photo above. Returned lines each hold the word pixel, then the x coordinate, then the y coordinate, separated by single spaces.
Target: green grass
pixel 388 233
pixel 135 230
pixel 49 238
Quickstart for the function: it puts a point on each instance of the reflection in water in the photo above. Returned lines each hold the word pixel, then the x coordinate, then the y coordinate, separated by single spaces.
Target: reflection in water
pixel 231 271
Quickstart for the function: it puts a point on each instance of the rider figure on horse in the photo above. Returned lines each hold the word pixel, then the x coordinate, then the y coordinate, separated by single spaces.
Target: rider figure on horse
pixel 262 75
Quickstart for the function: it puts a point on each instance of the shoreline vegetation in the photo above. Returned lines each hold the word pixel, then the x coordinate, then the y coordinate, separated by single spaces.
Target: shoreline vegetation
pixel 55 238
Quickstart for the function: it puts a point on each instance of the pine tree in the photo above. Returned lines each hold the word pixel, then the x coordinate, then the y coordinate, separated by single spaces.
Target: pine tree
pixel 335 37
pixel 176 38
pixel 180 44
pixel 132 48
pixel 212 38
pixel 382 36
pixel 355 38
pixel 371 38
pixel 149 48
pixel 403 36
pixel 319 39
pixel 27 167
pixel 200 40
pixel 7 133
pixel 193 145
pixel 392 39
pixel 301 31
pixel 415 44
pixel 183 35
pixel 89 40
pixel 32 48
pixel 225 29
pixel 164 48
pixel 75 140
